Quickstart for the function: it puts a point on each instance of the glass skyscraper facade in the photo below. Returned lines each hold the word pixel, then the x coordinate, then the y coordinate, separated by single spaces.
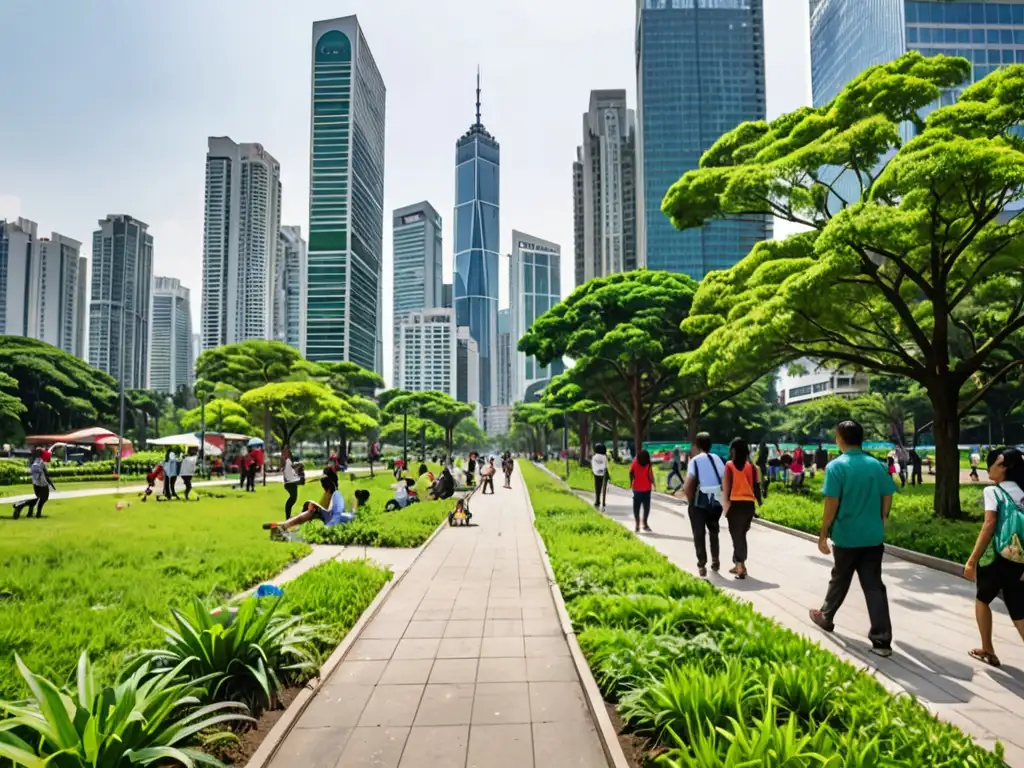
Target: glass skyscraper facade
pixel 700 73
pixel 477 244
pixel 848 36
pixel 416 266
pixel 346 198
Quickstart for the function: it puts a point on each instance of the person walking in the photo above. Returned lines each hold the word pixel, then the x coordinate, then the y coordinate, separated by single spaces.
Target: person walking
pixel 290 479
pixel 256 461
pixel 762 465
pixel 997 562
pixel 858 495
pixel 821 457
pixel 487 473
pixel 641 481
pixel 975 460
pixel 915 467
pixel 599 468
pixel 470 469
pixel 902 459
pixel 507 467
pixel 41 485
pixel 703 491
pixel 675 471
pixel 187 470
pixel 170 474
pixel 741 488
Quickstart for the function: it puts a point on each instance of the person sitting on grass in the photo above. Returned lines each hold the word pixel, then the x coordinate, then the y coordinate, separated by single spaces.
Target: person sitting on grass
pixel 331 509
pixel 444 487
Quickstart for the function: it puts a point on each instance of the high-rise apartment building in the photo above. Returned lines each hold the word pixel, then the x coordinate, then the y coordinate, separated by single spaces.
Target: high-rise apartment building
pixel 171 362
pixel 446 296
pixel 121 299
pixel 41 286
pixel 240 241
pixel 426 351
pixel 700 73
pixel 290 289
pixel 535 285
pixel 467 367
pixel 506 346
pixel 848 36
pixel 82 308
pixel 477 243
pixel 604 183
pixel 346 199
pixel 417 265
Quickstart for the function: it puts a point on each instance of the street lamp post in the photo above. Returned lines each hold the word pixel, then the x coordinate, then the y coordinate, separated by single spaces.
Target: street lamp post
pixel 202 433
pixel 565 441
pixel 405 439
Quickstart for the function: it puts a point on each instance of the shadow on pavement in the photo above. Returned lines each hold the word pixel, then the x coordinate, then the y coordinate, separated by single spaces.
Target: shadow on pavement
pixel 937 663
pixel 749 584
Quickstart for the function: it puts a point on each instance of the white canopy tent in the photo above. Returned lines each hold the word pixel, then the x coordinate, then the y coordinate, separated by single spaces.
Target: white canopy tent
pixel 188 440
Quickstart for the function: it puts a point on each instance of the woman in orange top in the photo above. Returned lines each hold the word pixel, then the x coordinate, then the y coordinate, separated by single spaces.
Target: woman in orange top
pixel 641 481
pixel 741 487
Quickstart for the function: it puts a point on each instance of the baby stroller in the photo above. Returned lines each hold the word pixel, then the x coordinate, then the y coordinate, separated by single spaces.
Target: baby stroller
pixel 461 514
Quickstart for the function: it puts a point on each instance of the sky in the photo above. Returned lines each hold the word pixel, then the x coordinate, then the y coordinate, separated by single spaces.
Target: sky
pixel 109 104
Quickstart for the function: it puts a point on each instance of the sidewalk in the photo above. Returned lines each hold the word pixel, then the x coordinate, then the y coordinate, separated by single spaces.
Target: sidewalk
pixel 932 616
pixel 464 666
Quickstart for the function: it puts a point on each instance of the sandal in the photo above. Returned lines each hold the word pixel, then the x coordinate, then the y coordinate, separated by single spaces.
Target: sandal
pixel 985 657
pixel 734 570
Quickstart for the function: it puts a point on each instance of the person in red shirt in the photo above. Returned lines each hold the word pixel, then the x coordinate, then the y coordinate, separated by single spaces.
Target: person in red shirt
pixel 641 481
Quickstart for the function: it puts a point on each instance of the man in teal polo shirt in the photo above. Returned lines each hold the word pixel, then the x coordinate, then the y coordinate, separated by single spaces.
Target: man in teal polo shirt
pixel 858 495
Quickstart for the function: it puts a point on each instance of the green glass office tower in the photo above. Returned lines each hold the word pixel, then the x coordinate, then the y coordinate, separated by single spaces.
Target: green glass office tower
pixel 346 198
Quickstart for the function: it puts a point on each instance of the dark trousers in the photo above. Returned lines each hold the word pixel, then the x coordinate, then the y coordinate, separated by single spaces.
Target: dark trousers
pixel 765 480
pixel 42 493
pixel 668 480
pixel 293 494
pixel 915 475
pixel 187 480
pixel 250 478
pixel 487 482
pixel 866 562
pixel 705 525
pixel 741 515
pixel 598 487
pixel 641 500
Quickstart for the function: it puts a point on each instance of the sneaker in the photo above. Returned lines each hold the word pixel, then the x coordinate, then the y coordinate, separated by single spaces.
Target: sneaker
pixel 715 565
pixel 703 572
pixel 819 618
pixel 17 511
pixel 884 651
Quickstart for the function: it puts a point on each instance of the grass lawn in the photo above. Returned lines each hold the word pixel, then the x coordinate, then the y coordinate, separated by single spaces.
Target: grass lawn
pixel 88 576
pixel 912 523
pixel 24 489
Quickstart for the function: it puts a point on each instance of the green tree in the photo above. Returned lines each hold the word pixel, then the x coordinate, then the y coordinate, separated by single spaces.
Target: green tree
pixel 534 421
pixel 59 392
pixel 815 419
pixel 620 329
pixel 442 409
pixel 911 264
pixel 222 415
pixel 357 385
pixel 145 405
pixel 468 435
pixel 294 405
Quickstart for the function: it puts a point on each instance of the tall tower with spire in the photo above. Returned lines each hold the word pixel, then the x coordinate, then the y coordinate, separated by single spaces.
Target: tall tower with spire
pixel 477 245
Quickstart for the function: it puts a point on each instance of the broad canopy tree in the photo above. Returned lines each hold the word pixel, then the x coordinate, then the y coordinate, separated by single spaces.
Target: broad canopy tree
pixel 912 262
pixel 294 405
pixel 620 329
pixel 438 407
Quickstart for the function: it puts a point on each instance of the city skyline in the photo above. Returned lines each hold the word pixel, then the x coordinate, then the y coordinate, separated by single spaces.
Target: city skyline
pixel 183 108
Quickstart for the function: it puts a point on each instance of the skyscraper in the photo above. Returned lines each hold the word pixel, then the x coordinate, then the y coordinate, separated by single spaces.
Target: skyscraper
pixel 82 307
pixel 477 243
pixel 243 216
pixel 122 290
pixel 346 198
pixel 170 356
pixel 41 286
pixel 425 344
pixel 290 289
pixel 417 265
pixel 506 346
pixel 535 285
pixel 604 178
pixel 700 73
pixel 446 296
pixel 848 36
pixel 467 368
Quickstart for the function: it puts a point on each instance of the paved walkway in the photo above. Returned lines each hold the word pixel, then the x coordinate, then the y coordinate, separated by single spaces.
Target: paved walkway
pixel 464 666
pixel 932 615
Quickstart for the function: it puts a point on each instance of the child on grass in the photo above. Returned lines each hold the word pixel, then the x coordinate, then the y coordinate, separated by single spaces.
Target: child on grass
pixel 156 475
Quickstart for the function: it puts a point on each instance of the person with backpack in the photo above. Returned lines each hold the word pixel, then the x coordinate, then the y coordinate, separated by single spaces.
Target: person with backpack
pixel 741 488
pixel 641 481
pixel 703 491
pixel 997 562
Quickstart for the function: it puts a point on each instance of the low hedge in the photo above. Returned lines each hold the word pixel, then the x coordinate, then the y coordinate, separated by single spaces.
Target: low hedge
pixel 16 471
pixel 709 680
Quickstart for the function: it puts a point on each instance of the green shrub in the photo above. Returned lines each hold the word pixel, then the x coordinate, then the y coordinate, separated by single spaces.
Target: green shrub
pixel 146 719
pixel 716 683
pixel 373 527
pixel 246 656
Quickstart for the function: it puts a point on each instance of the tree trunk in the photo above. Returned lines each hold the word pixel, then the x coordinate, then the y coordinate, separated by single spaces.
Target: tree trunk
pixel 615 438
pixel 266 441
pixel 692 419
pixel 448 443
pixel 946 429
pixel 342 446
pixel 584 437
pixel 638 422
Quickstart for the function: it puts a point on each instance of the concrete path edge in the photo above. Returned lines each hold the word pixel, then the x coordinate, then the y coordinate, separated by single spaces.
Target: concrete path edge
pixel 269 746
pixel 595 701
